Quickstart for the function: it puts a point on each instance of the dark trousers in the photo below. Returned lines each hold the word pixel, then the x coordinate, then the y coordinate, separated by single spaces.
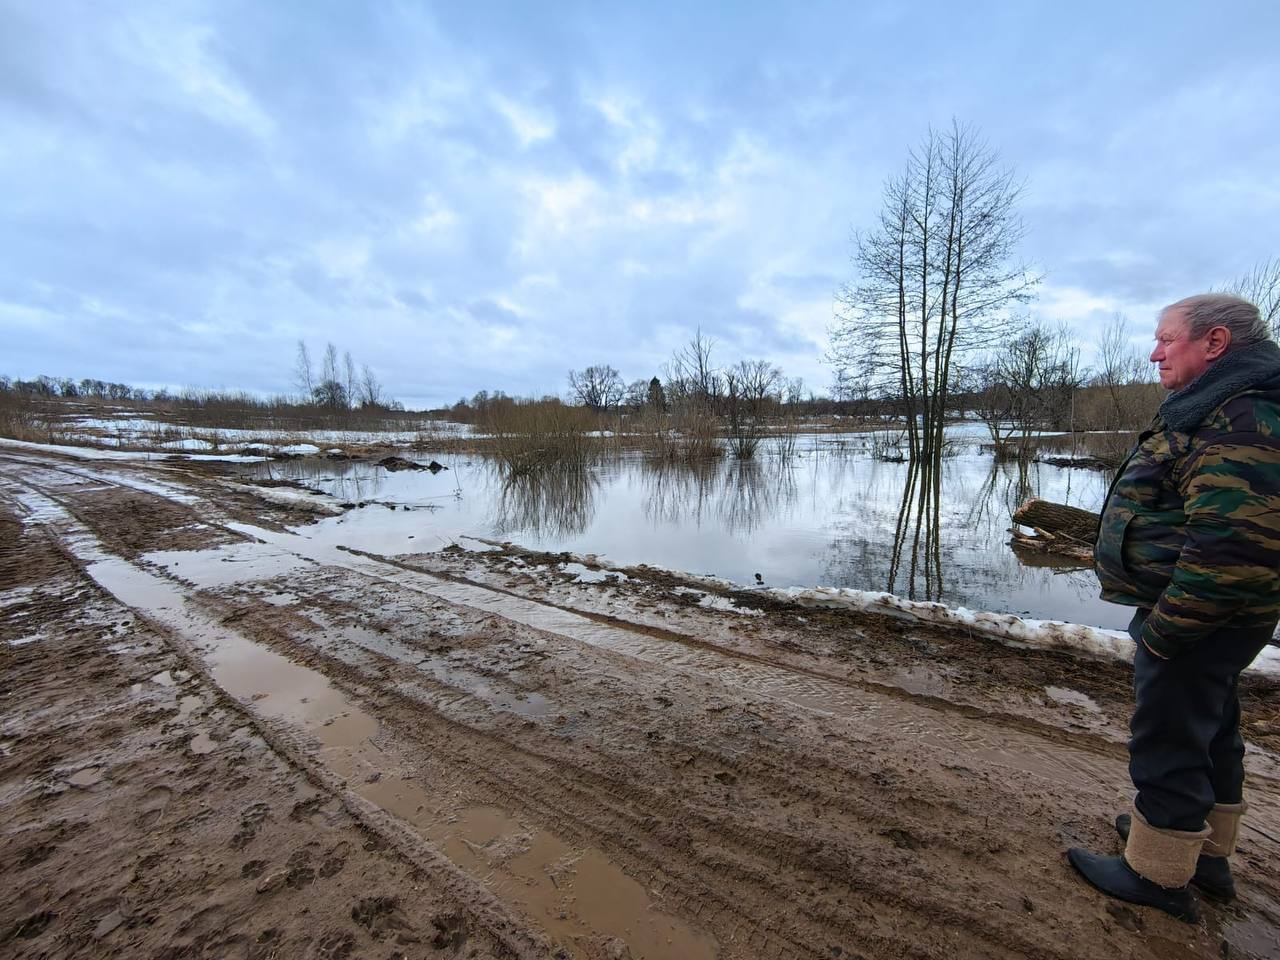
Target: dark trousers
pixel 1185 752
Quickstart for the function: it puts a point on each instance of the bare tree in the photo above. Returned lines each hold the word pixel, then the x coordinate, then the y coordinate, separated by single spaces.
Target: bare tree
pixel 936 277
pixel 598 387
pixel 370 389
pixel 793 393
pixel 750 386
pixel 692 378
pixel 636 395
pixel 1261 286
pixel 331 391
pixel 1028 384
pixel 1120 366
pixel 303 377
pixel 350 381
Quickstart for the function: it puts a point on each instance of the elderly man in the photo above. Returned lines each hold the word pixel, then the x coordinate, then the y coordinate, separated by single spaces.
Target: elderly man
pixel 1190 535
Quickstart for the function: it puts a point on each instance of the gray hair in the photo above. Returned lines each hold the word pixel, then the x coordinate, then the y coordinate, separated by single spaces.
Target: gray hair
pixel 1205 311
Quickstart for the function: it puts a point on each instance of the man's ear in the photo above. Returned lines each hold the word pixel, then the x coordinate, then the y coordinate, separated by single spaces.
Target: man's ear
pixel 1217 340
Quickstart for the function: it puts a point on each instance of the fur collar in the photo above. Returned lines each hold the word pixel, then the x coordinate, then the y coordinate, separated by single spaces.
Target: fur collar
pixel 1235 372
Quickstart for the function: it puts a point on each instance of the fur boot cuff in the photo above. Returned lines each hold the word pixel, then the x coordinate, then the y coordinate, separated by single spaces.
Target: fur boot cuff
pixel 1165 857
pixel 1224 822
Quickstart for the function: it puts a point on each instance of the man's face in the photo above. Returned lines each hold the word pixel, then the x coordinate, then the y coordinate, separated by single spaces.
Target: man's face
pixel 1181 359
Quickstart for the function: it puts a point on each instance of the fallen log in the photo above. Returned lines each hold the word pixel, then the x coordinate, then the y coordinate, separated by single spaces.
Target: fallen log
pixel 1075 524
pixel 1062 548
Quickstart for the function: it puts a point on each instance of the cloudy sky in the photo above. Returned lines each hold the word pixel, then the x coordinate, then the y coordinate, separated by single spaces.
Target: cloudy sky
pixel 476 195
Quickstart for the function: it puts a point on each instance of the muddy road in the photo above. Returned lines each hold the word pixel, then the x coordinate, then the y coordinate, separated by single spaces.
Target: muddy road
pixel 226 735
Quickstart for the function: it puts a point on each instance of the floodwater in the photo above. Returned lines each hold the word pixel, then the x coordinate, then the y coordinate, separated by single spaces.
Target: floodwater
pixel 825 517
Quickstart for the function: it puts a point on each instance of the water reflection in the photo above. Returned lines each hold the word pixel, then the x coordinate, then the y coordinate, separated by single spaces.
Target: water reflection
pixel 944 538
pixel 738 496
pixel 545 503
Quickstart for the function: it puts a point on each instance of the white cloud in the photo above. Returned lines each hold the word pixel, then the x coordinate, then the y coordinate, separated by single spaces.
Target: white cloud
pixel 180 53
pixel 527 123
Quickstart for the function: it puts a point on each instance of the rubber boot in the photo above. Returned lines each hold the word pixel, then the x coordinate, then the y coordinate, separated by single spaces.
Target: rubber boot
pixel 1213 870
pixel 1154 872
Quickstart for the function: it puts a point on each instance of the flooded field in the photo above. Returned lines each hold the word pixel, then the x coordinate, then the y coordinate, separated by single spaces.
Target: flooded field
pixel 825 517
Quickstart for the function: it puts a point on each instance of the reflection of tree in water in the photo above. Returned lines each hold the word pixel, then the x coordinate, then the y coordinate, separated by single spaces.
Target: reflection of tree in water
pixel 1007 485
pixel 922 566
pixel 556 503
pixel 740 494
pixel 916 561
pixel 754 492
pixel 678 493
pixel 345 481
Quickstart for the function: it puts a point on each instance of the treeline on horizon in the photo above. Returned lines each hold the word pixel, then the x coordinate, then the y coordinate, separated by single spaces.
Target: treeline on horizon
pixel 690 379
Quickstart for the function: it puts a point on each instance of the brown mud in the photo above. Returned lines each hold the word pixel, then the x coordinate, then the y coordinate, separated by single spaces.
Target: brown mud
pixel 221 738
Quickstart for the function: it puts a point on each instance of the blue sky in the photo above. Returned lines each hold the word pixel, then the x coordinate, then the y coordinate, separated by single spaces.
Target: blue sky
pixel 479 195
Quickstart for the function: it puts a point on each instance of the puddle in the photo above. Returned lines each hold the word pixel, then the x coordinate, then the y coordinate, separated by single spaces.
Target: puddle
pixel 571 892
pixel 921 681
pixel 524 704
pixel 201 744
pixel 86 777
pixel 164 678
pixel 223 566
pixel 187 705
pixel 1072 698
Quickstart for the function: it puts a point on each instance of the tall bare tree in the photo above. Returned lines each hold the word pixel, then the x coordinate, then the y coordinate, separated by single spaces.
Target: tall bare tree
pixel 370 389
pixel 303 375
pixel 936 277
pixel 350 381
pixel 750 386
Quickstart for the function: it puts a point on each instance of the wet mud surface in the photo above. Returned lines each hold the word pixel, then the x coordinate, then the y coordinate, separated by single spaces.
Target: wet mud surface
pixel 225 737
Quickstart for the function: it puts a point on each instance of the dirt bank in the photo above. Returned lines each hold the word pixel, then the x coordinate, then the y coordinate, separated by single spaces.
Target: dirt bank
pixel 224 736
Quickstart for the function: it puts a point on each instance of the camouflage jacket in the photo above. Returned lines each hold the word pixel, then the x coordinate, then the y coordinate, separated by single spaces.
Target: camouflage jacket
pixel 1191 524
